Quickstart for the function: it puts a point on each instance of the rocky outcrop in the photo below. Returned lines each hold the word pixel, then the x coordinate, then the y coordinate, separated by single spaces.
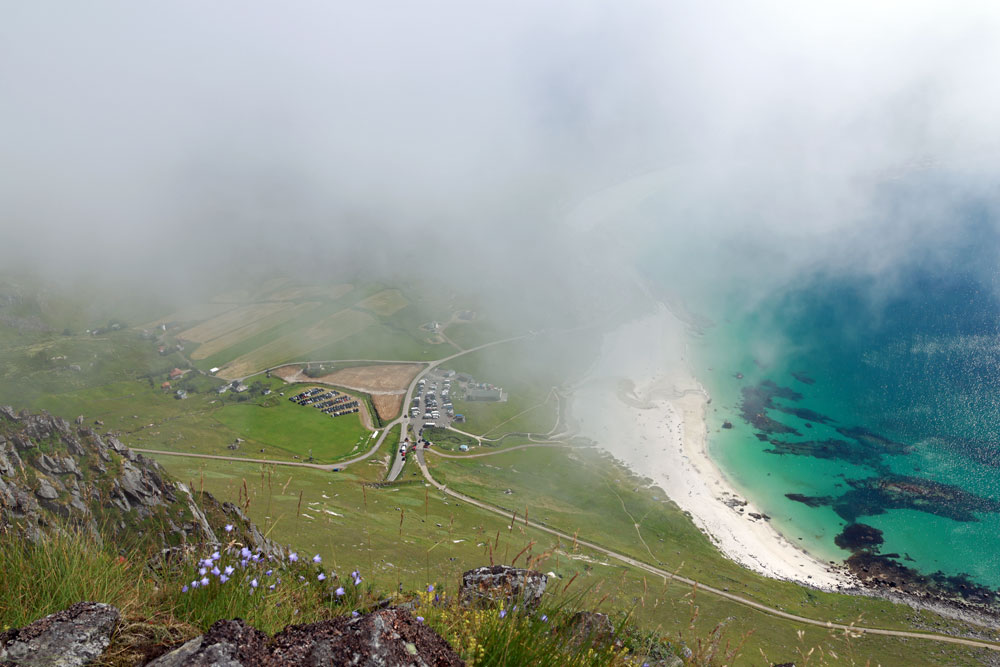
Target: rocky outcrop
pixel 391 637
pixel 74 636
pixel 502 584
pixel 54 473
pixel 229 643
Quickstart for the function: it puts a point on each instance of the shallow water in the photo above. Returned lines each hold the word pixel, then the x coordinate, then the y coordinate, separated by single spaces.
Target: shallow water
pixel 881 410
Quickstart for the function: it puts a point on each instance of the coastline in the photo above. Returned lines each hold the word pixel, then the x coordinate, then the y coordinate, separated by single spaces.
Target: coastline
pixel 648 410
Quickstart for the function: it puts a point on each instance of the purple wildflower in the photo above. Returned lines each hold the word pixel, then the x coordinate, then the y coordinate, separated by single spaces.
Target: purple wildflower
pixel 184 588
pixel 223 578
pixel 293 557
pixel 317 559
pixel 340 591
pixel 253 583
pixel 321 576
pixel 271 587
pixel 216 556
pixel 430 588
pixel 357 582
pixel 202 571
pixel 420 619
pixel 245 553
pixel 229 527
pixel 215 571
pixel 544 618
pixel 194 584
pixel 355 574
pixel 503 612
pixel 229 570
pixel 355 614
pixel 268 573
pixel 204 581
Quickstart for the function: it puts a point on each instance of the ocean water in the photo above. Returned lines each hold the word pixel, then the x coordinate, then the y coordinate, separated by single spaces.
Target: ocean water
pixel 856 402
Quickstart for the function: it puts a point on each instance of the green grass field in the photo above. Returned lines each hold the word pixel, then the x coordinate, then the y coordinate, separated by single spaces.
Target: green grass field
pixel 447 439
pixel 296 429
pixel 409 534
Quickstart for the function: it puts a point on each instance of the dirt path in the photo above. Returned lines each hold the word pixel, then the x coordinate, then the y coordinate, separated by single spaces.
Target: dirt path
pixel 499 451
pixel 238 459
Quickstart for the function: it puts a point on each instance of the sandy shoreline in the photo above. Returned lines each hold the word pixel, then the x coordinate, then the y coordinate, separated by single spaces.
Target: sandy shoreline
pixel 642 404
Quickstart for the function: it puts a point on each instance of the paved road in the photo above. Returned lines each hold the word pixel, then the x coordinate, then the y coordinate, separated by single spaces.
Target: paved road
pixel 404 418
pixel 691 582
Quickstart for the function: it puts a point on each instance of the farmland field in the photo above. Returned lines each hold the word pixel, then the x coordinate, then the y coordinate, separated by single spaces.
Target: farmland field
pixel 230 320
pixel 194 313
pixel 275 315
pixel 385 303
pixel 297 344
pixel 310 292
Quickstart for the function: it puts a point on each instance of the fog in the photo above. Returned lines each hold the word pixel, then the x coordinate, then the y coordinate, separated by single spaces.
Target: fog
pixel 558 145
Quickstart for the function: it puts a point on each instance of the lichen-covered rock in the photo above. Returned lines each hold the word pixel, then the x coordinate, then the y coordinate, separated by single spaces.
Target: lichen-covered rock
pixel 391 637
pixel 387 638
pixel 45 490
pixel 503 584
pixel 10 462
pixel 74 636
pixel 226 644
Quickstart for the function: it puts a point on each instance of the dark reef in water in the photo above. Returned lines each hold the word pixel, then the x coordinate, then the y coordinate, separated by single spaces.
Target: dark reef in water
pixel 805 414
pixel 757 400
pixel 874 495
pixel 881 572
pixel 871 439
pixel 802 377
pixel 811 501
pixel 830 449
pixel 859 537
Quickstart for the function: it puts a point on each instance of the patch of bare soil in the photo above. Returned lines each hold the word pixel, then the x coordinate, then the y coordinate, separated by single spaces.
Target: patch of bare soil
pixel 387 405
pixel 374 379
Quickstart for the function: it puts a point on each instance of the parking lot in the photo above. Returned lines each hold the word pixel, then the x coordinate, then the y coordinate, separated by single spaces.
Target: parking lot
pixel 432 406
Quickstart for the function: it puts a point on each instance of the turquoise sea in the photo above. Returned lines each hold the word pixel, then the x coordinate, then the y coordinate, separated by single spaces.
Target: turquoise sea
pixel 861 402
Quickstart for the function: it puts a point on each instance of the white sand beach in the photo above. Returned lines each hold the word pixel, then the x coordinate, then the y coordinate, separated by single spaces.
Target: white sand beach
pixel 642 404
